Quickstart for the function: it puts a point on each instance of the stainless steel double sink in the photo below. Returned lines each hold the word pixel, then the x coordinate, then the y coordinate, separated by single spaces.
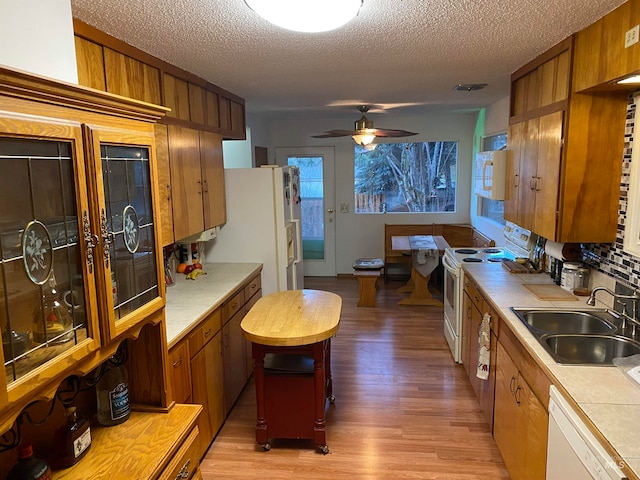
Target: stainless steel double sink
pixel 579 337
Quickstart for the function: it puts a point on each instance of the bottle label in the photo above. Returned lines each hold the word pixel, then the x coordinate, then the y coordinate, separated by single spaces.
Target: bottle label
pixel 119 401
pixel 82 443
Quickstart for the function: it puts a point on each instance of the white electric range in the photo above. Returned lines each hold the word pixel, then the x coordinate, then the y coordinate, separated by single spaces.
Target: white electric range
pixel 519 242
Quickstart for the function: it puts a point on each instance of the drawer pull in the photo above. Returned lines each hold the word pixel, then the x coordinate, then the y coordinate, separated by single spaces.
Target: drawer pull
pixel 207 333
pixel 512 385
pixel 184 471
pixel 177 362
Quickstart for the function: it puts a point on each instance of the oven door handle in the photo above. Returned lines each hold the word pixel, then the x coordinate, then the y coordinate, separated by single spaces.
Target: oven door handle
pixel 450 268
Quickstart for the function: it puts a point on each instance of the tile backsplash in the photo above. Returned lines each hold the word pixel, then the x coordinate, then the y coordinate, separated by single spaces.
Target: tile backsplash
pixel 610 259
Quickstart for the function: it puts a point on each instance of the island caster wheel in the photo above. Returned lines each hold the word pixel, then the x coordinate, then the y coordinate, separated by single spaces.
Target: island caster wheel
pixel 266 447
pixel 324 449
pixel 332 399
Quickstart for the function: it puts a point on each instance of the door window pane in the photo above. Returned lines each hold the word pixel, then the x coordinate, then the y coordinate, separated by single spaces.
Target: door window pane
pixel 312 205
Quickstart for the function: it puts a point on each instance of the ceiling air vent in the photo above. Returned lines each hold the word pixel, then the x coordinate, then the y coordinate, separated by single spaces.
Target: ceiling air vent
pixel 469 87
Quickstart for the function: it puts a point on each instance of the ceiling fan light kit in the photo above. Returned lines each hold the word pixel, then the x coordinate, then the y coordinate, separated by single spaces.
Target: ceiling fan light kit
pixel 364 133
pixel 308 16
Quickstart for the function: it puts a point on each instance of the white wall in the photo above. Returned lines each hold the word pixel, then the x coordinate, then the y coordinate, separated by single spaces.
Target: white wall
pixel 238 153
pixel 363 235
pixel 37 36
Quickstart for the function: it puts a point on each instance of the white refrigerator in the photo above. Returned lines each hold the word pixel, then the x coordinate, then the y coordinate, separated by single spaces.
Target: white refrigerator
pixel 263 225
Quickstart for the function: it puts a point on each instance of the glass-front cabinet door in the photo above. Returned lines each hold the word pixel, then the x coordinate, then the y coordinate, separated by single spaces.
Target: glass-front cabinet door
pixel 48 308
pixel 129 266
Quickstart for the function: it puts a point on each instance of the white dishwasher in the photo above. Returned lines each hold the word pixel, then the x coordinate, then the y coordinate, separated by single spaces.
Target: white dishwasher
pixel 573 452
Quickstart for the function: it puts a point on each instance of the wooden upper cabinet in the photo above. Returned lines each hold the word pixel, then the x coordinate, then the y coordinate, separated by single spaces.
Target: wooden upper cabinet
pixel 186 181
pixel 553 78
pixel 237 120
pixel 131 78
pixel 90 64
pixel 213 194
pixel 600 54
pixel 224 107
pixel 196 104
pixel 176 96
pixel 212 109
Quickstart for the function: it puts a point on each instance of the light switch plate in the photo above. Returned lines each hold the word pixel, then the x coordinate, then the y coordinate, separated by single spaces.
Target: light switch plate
pixel 344 208
pixel 631 37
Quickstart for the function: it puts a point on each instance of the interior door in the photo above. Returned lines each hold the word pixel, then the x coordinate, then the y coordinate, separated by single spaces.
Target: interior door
pixel 317 206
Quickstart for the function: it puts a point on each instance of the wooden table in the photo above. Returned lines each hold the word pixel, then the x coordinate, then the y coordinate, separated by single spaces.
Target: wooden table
pixel 296 323
pixel 418 285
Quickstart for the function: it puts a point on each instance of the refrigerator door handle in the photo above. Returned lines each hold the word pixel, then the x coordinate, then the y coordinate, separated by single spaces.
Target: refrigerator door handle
pixel 298 224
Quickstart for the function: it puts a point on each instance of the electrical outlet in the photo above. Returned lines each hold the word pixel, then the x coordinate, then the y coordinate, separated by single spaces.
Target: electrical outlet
pixel 632 36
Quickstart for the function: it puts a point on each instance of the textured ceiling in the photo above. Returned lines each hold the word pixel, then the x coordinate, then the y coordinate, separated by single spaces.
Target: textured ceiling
pixel 410 52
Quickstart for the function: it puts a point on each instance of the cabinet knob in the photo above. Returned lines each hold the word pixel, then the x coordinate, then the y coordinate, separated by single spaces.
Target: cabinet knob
pixel 184 471
pixel 207 333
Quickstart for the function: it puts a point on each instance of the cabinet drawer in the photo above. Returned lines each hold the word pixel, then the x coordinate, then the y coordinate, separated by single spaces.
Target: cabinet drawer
pixel 180 373
pixel 473 293
pixel 204 332
pixel 184 463
pixel 233 305
pixel 254 285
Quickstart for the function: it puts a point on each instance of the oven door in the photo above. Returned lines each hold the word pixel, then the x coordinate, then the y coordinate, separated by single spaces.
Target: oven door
pixel 453 308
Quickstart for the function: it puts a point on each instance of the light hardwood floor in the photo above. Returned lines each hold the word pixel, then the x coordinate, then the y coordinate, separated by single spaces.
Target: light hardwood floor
pixel 403 410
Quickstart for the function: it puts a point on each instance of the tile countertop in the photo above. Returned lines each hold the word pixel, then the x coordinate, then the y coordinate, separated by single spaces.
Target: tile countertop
pixel 190 301
pixel 609 399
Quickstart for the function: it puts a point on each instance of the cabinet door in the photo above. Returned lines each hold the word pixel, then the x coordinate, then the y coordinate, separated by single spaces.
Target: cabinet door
pixel 548 175
pixel 48 309
pixel 186 181
pixel 130 264
pixel 208 389
pixel 516 141
pixel 165 207
pixel 506 431
pixel 235 371
pixel 180 373
pixel 213 193
pixel 532 422
pixel 528 172
pixel 467 306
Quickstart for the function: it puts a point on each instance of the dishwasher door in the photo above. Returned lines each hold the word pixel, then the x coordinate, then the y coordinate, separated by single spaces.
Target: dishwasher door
pixel 573 452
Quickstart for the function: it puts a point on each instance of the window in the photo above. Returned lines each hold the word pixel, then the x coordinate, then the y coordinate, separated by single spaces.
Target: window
pixel 406 177
pixel 493 209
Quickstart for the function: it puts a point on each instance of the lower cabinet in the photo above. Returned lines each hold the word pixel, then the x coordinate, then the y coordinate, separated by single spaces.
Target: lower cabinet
pixel 475 307
pixel 212 364
pixel 207 378
pixel 520 421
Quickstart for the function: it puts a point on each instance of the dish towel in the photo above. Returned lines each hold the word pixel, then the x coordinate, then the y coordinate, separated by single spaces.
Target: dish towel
pixel 484 348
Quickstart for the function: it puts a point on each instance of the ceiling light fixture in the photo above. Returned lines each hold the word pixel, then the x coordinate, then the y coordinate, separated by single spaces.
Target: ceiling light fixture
pixel 364 137
pixel 307 16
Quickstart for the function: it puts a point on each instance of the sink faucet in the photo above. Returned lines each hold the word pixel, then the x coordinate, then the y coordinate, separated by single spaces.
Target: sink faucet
pixel 634 297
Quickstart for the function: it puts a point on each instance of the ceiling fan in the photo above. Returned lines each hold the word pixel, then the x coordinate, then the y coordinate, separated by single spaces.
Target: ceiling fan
pixel 364 133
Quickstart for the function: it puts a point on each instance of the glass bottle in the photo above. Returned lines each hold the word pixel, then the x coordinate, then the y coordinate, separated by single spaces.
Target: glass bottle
pixel 53 323
pixel 28 466
pixel 112 393
pixel 581 282
pixel 72 440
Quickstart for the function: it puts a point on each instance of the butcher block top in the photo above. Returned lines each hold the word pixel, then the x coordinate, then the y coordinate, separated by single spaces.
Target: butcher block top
pixel 292 318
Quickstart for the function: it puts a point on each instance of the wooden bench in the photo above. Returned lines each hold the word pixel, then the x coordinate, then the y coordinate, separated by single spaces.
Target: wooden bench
pixel 367 271
pixel 454 236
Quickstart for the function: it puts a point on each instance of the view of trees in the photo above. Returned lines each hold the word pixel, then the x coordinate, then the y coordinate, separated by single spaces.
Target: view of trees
pixel 406 177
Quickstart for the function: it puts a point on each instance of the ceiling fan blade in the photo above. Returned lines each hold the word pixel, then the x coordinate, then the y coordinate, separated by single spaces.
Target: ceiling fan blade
pixel 336 133
pixel 389 132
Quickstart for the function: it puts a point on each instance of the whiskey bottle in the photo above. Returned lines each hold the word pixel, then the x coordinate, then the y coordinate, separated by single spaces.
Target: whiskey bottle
pixel 72 439
pixel 28 466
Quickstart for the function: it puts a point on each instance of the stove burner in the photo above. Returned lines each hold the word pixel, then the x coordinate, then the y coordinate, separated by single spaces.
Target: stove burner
pixel 497 259
pixel 467 251
pixel 491 250
pixel 472 260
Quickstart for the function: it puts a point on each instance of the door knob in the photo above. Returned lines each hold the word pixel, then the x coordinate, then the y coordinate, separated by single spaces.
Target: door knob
pixel 330 210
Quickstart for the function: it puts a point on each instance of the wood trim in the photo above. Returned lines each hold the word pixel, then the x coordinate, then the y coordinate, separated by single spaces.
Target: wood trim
pixel 26 86
pixel 540 112
pixel 90 33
